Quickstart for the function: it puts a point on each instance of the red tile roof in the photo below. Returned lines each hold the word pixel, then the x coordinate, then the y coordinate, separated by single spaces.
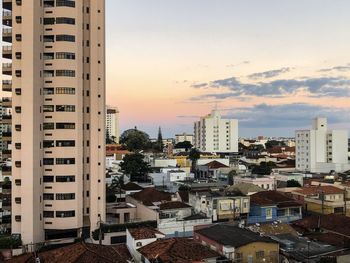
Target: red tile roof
pixel 314 190
pixel 79 253
pixel 216 165
pixel 130 186
pixel 267 198
pixel 144 233
pixel 150 195
pixel 173 205
pixel 177 250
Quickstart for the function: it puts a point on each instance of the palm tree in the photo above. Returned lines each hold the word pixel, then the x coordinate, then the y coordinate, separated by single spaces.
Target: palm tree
pixel 117 185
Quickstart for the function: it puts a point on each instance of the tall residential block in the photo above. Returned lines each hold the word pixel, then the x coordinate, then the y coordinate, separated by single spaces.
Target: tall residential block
pixel 213 133
pixel 184 137
pixel 57 79
pixel 112 123
pixel 321 150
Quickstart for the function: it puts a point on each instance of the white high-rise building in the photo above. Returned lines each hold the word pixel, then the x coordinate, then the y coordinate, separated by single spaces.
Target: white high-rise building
pixel 112 123
pixel 184 137
pixel 212 133
pixel 58 115
pixel 321 150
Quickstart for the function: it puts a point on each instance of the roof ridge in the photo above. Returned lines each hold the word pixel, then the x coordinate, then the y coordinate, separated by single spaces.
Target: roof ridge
pixel 100 255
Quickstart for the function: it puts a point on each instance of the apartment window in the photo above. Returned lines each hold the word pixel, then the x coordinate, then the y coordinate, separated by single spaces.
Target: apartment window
pixel 49 214
pixel 48 197
pixel 18 146
pixel 48 108
pixel 48 56
pixel 48 161
pixel 48 91
pixel 48 126
pixel 65 108
pixel 48 179
pixel 67 143
pixel 65 55
pixel 65 20
pixel 49 73
pixel 50 38
pixel 49 21
pixel 65 126
pixel 260 254
pixel 67 38
pixel 65 196
pixel 65 178
pixel 48 144
pixel 18 109
pixel 18 19
pixel 268 213
pixel 65 73
pixel 66 3
pixel 65 213
pixel 65 161
pixel 65 90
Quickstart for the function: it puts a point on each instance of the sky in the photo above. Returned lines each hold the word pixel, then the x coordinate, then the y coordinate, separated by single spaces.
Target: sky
pixel 274 65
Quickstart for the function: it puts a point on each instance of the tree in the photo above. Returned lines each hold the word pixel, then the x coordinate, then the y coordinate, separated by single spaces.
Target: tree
pixel 183 145
pixel 135 140
pixel 159 144
pixel 135 166
pixel 231 176
pixel 293 183
pixel 265 168
pixel 194 155
pixel 273 143
pixel 117 185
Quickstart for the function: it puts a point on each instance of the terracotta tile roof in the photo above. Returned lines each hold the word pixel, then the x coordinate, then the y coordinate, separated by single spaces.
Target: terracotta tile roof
pixel 177 250
pixel 216 165
pixel 150 195
pixel 144 233
pixel 78 253
pixel 173 205
pixel 333 222
pixel 267 198
pixel 130 186
pixel 184 196
pixel 314 190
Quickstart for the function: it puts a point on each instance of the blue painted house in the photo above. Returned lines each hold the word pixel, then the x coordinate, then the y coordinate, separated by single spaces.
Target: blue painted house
pixel 269 206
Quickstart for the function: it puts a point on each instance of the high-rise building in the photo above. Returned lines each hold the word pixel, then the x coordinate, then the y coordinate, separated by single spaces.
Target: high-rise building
pixel 112 123
pixel 320 149
pixel 184 137
pixel 213 133
pixel 58 115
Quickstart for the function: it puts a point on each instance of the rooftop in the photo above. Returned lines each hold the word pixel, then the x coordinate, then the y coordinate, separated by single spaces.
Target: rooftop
pixel 130 186
pixel 173 205
pixel 315 190
pixel 229 235
pixel 150 195
pixel 177 250
pixel 144 233
pixel 268 198
pixel 216 165
pixel 244 188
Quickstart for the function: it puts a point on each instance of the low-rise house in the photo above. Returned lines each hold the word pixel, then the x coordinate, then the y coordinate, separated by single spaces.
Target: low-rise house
pixel 270 206
pixel 177 250
pixel 218 205
pixel 322 199
pixel 136 238
pixel 212 170
pixel 265 182
pixel 238 244
pixel 282 178
pixel 120 213
pixel 244 188
pixel 131 187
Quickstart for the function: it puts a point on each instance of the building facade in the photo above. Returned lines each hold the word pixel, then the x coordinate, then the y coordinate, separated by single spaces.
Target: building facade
pixel 184 137
pixel 320 149
pixel 58 116
pixel 112 123
pixel 213 133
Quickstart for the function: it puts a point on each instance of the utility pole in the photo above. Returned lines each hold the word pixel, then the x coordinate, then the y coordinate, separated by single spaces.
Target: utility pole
pixel 322 199
pixel 345 205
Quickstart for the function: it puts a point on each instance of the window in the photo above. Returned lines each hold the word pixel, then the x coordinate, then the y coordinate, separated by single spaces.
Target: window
pixel 65 90
pixel 48 161
pixel 65 196
pixel 65 143
pixel 65 108
pixel 65 55
pixel 48 144
pixel 49 21
pixel 48 197
pixel 65 73
pixel 260 254
pixel 65 20
pixel 65 213
pixel 48 56
pixel 268 213
pixel 48 179
pixel 48 126
pixel 65 125
pixel 49 214
pixel 67 38
pixel 67 3
pixel 48 108
pixel 65 179
pixel 48 91
pixel 65 161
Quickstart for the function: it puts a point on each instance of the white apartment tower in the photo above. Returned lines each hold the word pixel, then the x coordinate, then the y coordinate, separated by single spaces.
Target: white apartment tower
pixel 321 150
pixel 58 122
pixel 212 133
pixel 112 123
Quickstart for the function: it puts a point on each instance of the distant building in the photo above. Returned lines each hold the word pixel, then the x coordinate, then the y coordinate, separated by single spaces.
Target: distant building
pixel 112 123
pixel 184 137
pixel 265 182
pixel 212 133
pixel 321 150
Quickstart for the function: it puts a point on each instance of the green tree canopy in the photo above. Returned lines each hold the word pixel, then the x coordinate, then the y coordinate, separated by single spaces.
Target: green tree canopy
pixel 273 143
pixel 135 166
pixel 194 155
pixel 183 145
pixel 135 140
pixel 293 183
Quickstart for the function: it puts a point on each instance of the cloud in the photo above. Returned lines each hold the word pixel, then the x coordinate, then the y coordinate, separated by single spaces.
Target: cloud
pixel 268 74
pixel 238 64
pixel 187 116
pixel 337 68
pixel 315 87
pixel 295 115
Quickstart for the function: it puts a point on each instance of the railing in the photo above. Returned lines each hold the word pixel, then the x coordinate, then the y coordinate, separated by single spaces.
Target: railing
pixel 6 65
pixel 6 82
pixel 6 99
pixel 6 48
pixel 7 31
pixel 6 14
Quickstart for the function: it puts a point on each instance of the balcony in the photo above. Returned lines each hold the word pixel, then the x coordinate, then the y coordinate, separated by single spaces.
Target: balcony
pixel 6 119
pixel 7 52
pixel 7 4
pixel 7 69
pixel 6 136
pixel 6 154
pixel 7 18
pixel 7 35
pixel 6 85
pixel 6 102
